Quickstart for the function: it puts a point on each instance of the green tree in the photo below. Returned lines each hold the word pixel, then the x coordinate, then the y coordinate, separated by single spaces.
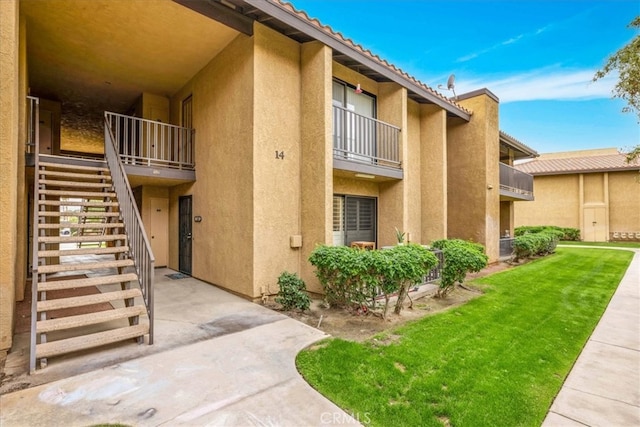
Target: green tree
pixel 627 62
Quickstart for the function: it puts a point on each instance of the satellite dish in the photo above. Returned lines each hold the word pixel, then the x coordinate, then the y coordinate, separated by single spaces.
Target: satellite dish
pixel 450 85
pixel 451 82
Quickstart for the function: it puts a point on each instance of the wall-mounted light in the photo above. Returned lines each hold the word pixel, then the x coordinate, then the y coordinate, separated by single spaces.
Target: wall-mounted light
pixel 358 89
pixel 364 175
pixel 489 186
pixel 197 218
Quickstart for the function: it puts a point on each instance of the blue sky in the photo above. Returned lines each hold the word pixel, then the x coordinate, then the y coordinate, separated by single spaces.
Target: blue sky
pixel 538 57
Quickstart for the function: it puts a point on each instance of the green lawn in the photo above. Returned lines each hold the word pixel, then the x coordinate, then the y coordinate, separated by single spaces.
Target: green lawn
pixel 498 360
pixel 607 244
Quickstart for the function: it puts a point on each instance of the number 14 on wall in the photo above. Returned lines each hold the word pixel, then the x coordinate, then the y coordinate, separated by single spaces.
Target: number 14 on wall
pixel 279 155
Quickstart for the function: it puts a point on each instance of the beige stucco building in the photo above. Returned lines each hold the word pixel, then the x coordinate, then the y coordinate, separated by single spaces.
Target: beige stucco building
pixel 248 134
pixel 595 191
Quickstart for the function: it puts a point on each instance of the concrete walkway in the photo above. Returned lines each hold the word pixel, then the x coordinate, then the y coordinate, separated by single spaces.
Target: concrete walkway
pixel 603 388
pixel 218 360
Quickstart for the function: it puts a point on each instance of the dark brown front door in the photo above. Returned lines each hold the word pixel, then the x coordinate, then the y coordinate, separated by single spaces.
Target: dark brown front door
pixel 184 252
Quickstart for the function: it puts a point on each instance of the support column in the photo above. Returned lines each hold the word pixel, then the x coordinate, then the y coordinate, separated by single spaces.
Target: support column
pixel 9 144
pixel 473 176
pixel 433 172
pixel 393 200
pixel 316 171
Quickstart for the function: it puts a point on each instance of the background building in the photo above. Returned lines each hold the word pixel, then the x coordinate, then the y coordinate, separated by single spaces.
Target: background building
pixel 596 191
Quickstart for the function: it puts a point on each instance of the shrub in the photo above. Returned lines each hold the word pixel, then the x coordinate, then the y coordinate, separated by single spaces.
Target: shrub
pixel 404 266
pixel 353 276
pixel 292 293
pixel 538 243
pixel 568 233
pixel 460 258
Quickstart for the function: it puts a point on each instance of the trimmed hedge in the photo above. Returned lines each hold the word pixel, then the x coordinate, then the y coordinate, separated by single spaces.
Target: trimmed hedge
pixel 460 258
pixel 355 277
pixel 536 244
pixel 572 234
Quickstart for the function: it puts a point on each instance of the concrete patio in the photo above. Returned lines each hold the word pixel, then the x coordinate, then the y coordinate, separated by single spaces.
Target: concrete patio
pixel 217 359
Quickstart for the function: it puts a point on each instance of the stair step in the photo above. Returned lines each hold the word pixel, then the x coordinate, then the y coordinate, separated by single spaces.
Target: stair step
pixel 87 251
pixel 79 213
pixel 86 225
pixel 56 268
pixel 55 285
pixel 70 184
pixel 60 303
pixel 82 203
pixel 83 342
pixel 79 194
pixel 79 176
pixel 76 239
pixel 74 167
pixel 94 318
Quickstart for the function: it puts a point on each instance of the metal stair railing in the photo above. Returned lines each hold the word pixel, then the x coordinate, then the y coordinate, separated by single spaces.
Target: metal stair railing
pixel 139 245
pixel 33 145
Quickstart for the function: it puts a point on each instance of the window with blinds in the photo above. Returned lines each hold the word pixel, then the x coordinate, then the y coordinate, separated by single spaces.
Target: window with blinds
pixel 354 219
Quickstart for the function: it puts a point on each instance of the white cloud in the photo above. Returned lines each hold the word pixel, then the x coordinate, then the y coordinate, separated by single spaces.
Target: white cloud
pixel 544 84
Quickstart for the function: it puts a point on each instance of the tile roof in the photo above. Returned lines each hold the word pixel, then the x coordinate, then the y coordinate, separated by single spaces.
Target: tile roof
pixel 509 140
pixel 578 164
pixel 336 34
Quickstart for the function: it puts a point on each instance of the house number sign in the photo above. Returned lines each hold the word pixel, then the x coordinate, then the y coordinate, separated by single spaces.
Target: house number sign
pixel 279 155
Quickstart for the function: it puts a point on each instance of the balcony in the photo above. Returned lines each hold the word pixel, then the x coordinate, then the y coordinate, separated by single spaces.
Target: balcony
pixel 365 145
pixel 153 149
pixel 514 184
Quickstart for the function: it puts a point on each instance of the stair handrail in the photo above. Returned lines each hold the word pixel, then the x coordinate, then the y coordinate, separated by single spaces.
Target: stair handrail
pixel 139 246
pixel 34 121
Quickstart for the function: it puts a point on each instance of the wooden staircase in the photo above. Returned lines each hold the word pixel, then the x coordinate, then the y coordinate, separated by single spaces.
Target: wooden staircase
pixel 86 290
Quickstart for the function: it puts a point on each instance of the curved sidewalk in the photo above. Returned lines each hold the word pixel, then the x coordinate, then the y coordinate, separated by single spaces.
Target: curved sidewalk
pixel 603 387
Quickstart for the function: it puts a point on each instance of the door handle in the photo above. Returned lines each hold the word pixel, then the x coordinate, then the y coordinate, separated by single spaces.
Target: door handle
pixel 188 236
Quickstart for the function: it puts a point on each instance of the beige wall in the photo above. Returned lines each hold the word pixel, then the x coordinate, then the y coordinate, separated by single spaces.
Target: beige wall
pixel 276 196
pixel 223 111
pixel 393 201
pixel 557 202
pixel 624 201
pixel 473 176
pixel 433 173
pixel 9 181
pixel 316 155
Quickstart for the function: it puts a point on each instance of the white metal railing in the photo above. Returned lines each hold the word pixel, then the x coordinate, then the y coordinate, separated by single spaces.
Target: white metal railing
pixel 151 143
pixel 365 140
pixel 139 245
pixel 33 122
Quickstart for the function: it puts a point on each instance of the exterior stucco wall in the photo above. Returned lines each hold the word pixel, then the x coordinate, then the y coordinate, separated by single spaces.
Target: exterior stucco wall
pixel 393 200
pixel 473 176
pixel 22 206
pixel 433 172
pixel 560 200
pixel 348 75
pixel 412 179
pixel 557 202
pixel 624 202
pixel 11 150
pixel 276 199
pixel 223 110
pixel 316 159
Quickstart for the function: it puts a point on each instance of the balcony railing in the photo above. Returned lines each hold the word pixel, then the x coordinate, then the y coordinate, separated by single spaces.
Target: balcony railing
pixel 517 182
pixel 361 139
pixel 150 143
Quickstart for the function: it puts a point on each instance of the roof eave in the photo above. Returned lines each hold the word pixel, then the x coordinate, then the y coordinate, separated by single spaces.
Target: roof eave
pixel 295 21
